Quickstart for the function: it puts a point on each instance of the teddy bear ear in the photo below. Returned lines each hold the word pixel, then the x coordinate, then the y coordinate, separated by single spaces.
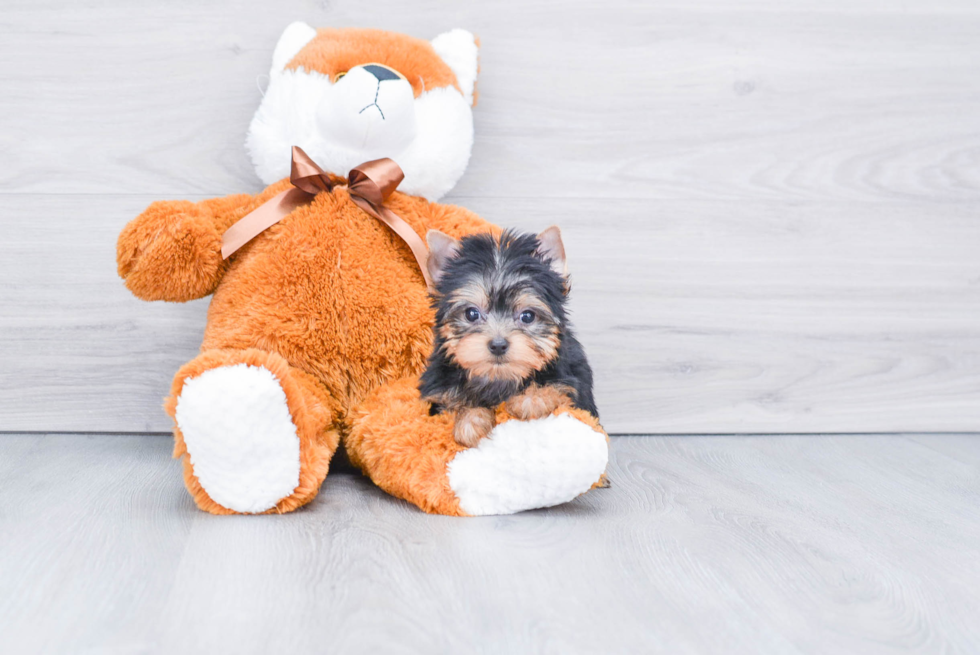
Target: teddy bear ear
pixel 293 38
pixel 459 49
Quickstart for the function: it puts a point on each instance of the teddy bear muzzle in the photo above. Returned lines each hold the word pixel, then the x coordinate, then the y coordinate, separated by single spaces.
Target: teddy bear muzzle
pixel 370 110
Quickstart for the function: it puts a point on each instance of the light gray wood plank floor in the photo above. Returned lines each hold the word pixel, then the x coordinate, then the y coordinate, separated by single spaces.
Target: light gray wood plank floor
pixel 836 544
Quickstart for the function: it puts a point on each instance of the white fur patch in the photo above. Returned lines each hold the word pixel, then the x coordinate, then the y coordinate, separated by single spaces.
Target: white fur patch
pixel 240 437
pixel 459 50
pixel 293 39
pixel 301 108
pixel 528 464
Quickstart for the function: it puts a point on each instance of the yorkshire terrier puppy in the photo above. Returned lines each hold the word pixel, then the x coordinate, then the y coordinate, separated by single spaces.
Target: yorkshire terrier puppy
pixel 502 331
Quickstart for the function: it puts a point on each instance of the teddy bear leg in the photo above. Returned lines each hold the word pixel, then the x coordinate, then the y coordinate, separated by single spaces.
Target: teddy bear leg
pixel 521 465
pixel 255 435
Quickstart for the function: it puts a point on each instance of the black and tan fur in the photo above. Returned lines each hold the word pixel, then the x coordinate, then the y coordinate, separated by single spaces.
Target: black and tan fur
pixel 501 332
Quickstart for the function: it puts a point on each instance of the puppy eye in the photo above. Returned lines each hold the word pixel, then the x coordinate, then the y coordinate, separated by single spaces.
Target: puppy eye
pixel 527 316
pixel 472 314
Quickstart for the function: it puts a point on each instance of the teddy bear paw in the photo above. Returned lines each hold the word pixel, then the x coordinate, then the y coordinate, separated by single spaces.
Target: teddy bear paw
pixel 528 464
pixel 240 437
pixel 172 252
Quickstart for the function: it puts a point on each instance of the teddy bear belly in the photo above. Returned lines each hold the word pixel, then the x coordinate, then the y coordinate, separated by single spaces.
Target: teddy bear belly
pixel 352 310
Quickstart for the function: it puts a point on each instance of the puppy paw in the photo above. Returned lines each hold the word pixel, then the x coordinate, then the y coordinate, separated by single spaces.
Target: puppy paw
pixel 537 402
pixel 472 424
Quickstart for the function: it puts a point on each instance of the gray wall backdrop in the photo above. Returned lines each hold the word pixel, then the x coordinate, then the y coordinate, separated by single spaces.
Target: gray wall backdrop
pixel 771 211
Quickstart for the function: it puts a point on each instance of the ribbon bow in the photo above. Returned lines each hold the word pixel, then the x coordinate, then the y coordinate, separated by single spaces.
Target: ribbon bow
pixel 369 185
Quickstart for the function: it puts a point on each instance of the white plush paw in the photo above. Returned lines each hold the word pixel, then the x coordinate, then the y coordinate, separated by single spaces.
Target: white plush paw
pixel 528 464
pixel 240 437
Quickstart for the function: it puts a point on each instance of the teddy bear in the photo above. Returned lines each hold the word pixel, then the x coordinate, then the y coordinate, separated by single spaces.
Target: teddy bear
pixel 320 325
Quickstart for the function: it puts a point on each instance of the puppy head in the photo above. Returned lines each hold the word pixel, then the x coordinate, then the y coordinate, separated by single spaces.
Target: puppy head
pixel 500 303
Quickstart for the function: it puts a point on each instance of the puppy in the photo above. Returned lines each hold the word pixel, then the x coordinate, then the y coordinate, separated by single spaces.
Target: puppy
pixel 501 331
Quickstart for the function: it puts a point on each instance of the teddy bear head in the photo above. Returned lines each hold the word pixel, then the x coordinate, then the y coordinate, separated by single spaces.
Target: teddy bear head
pixel 347 96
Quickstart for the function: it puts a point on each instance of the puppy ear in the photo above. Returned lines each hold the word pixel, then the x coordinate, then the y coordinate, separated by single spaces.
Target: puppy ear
pixel 460 50
pixel 553 249
pixel 442 248
pixel 293 39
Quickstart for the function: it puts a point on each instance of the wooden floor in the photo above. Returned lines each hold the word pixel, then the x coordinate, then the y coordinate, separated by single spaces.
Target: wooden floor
pixel 836 544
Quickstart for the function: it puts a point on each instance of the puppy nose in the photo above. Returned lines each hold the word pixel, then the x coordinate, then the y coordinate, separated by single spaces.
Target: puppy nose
pixel 498 346
pixel 382 72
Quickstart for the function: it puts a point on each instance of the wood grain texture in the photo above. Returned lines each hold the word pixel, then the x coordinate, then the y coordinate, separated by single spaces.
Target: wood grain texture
pixel 770 208
pixel 701 99
pixel 739 545
pixel 698 316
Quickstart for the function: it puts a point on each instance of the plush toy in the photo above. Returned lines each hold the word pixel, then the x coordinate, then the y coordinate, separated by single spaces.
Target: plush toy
pixel 320 325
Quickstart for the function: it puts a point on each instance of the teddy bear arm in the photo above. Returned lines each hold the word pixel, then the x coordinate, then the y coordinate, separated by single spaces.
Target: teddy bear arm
pixel 410 453
pixel 172 251
pixel 227 210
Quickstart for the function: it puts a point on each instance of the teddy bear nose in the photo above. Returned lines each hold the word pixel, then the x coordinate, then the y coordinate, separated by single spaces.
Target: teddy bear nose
pixel 382 73
pixel 498 346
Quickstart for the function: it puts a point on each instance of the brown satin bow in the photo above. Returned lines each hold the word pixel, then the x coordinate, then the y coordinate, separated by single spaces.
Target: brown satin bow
pixel 369 185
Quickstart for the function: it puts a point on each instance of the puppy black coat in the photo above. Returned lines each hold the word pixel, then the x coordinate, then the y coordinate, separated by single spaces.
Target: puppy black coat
pixel 505 270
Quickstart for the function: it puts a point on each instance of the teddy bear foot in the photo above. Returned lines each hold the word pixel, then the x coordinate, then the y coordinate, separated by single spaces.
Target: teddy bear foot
pixel 237 431
pixel 240 437
pixel 528 464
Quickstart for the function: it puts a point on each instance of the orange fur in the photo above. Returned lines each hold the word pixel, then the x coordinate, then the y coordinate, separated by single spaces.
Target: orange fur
pixel 329 300
pixel 171 253
pixel 335 51
pixel 358 313
pixel 355 317
pixel 403 449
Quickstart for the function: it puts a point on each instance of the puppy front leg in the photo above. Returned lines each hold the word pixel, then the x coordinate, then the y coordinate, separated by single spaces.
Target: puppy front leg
pixel 539 401
pixel 472 425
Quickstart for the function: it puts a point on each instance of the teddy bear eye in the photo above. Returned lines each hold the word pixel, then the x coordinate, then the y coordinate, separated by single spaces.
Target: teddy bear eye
pixel 472 314
pixel 527 316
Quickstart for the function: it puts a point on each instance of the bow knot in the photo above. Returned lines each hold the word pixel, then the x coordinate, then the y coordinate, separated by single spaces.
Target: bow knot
pixel 369 185
pixel 306 175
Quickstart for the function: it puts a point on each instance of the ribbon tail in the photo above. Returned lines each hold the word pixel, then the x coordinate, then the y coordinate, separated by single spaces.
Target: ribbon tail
pixel 263 217
pixel 403 230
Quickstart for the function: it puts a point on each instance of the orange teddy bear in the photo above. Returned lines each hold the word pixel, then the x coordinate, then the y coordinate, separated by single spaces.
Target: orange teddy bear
pixel 320 326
